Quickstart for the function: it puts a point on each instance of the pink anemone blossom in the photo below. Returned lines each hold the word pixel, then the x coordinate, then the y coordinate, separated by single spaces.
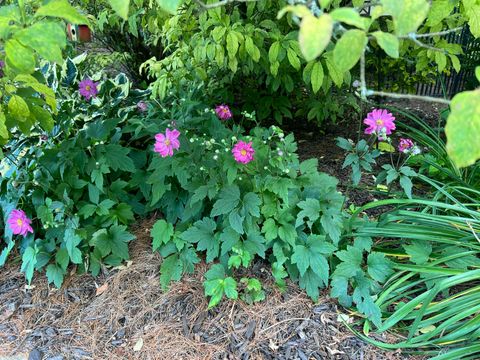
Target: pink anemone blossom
pixel 88 88
pixel 405 145
pixel 142 106
pixel 166 143
pixel 223 112
pixel 379 122
pixel 19 223
pixel 243 152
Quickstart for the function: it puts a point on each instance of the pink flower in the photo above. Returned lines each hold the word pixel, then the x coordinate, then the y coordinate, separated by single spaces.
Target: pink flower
pixel 142 106
pixel 379 121
pixel 19 223
pixel 223 112
pixel 165 144
pixel 243 152
pixel 88 89
pixel 405 145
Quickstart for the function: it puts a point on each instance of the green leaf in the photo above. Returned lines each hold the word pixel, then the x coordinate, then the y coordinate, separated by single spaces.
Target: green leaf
pixel 316 77
pixel 270 229
pixel 46 38
pixel 55 274
pixel 310 209
pixel 351 260
pixel 363 243
pixel 117 158
pixel 251 204
pixel 19 56
pixel 293 59
pixel 335 73
pixel 170 270
pixel 3 128
pixel 120 7
pixel 274 51
pixel 477 73
pixel 112 241
pixel 202 230
pixel 463 128
pixel 349 48
pixel 161 233
pixel 349 16
pixel 379 267
pixel 388 42
pixel 419 251
pixel 62 9
pixel 315 34
pixel 339 290
pixel 232 44
pixel 406 185
pixel 229 198
pixel 71 242
pixel 311 283
pixel 407 15
pixel 217 284
pixel 169 6
pixel 62 258
pixel 301 258
pixel 43 117
pixel 18 108
pixel 29 259
pixel 363 299
pixel 236 221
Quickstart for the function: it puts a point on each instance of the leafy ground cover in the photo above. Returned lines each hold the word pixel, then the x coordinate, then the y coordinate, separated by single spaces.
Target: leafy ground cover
pixel 125 314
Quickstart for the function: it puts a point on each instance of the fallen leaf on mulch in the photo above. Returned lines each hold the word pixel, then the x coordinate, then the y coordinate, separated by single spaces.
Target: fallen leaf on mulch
pixel 101 289
pixel 138 345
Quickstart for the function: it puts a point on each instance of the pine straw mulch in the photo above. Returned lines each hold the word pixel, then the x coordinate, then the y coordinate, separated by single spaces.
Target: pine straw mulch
pixel 125 315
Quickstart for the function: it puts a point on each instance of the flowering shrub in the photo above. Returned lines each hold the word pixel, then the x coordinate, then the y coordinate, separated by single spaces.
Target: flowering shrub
pixel 380 125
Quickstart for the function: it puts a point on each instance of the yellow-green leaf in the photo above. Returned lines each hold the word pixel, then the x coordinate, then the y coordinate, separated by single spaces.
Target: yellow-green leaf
pixel 386 147
pixel 349 16
pixel 46 38
pixel 407 15
pixel 477 73
pixel 62 9
pixel 388 42
pixel 120 7
pixel 170 6
pixel 18 108
pixel 315 34
pixel 317 76
pixel 348 49
pixel 19 57
pixel 463 128
pixel 3 129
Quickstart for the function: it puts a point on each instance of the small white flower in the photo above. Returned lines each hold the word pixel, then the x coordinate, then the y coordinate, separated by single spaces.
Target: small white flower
pixel 240 178
pixel 287 171
pixel 215 157
pixel 280 153
pixel 89 147
pixel 281 135
pixel 234 138
pixel 227 149
pixel 265 168
pixel 212 141
pixel 192 140
pixel 202 168
pixel 102 142
pixel 217 151
pixel 97 164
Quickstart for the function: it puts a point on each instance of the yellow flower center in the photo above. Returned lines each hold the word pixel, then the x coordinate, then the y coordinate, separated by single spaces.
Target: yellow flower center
pixel 225 111
pixel 243 152
pixel 87 87
pixel 379 122
pixel 19 222
pixel 167 142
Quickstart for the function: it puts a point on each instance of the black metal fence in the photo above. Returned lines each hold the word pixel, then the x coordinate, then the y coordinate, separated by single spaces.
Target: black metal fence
pixel 443 84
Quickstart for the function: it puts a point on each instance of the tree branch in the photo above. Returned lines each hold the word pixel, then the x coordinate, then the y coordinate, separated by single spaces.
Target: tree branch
pixel 440 33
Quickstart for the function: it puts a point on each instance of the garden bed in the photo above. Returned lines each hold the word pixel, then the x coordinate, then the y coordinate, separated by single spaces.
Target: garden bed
pixel 125 315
